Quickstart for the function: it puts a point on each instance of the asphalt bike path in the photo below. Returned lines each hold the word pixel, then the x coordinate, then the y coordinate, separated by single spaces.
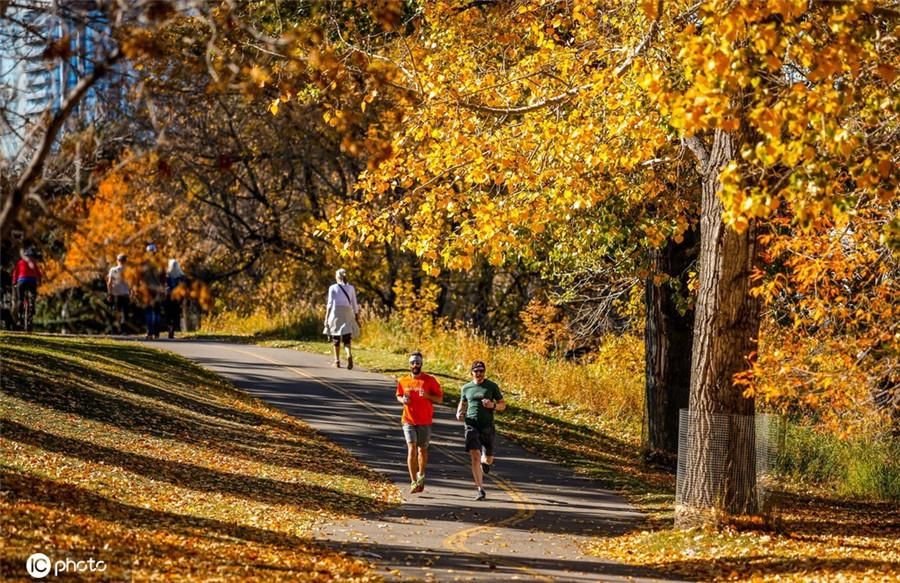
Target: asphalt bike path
pixel 528 529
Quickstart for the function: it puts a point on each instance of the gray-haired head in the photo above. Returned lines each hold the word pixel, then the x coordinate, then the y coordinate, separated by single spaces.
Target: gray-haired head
pixel 340 275
pixel 174 269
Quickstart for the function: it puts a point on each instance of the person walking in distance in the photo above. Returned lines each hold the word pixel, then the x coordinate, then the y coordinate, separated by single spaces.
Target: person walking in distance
pixel 118 293
pixel 341 311
pixel 175 283
pixel 478 401
pixel 418 392
pixel 152 290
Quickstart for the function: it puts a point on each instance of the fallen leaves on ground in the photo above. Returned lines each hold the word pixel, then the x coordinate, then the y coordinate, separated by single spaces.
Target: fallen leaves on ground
pixel 813 538
pixel 135 457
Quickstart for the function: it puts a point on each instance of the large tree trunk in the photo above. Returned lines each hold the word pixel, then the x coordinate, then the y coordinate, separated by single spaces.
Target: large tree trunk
pixel 668 337
pixel 719 474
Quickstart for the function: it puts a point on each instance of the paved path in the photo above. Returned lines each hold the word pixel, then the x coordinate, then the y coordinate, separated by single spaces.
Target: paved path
pixel 529 527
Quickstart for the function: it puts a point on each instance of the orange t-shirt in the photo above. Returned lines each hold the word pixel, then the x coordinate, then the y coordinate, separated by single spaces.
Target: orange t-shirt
pixel 419 410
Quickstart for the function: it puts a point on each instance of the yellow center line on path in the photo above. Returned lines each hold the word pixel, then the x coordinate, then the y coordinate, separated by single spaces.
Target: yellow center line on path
pixel 456 541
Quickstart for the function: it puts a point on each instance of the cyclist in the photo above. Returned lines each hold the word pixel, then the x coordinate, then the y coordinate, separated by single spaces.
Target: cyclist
pixel 26 278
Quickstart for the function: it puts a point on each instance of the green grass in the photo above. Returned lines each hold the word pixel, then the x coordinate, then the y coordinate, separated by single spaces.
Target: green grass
pixel 860 467
pixel 164 469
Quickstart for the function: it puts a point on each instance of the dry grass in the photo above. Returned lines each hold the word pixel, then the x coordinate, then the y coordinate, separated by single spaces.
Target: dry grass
pixel 610 386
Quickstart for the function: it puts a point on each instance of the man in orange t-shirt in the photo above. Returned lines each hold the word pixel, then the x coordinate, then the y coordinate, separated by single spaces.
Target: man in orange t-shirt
pixel 418 392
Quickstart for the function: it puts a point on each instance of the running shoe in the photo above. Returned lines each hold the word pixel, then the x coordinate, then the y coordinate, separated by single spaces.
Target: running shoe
pixel 481 494
pixel 486 468
pixel 419 485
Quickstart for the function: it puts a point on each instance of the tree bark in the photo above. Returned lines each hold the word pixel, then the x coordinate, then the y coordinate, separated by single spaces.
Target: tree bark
pixel 668 337
pixel 720 474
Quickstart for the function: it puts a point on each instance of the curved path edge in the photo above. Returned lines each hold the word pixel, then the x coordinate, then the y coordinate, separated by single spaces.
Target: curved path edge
pixel 530 528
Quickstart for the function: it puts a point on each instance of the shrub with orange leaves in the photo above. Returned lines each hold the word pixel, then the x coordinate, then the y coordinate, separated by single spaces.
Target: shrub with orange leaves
pixel 546 328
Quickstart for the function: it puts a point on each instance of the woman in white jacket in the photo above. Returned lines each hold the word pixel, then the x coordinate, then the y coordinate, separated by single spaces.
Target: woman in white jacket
pixel 340 317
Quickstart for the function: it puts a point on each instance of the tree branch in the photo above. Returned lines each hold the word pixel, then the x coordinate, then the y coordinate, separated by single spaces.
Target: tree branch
pixel 519 110
pixel 550 101
pixel 31 177
pixel 642 46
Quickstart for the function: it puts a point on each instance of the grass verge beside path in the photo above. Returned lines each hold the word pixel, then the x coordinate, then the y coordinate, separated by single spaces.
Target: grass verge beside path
pixel 813 539
pixel 120 453
pixel 583 442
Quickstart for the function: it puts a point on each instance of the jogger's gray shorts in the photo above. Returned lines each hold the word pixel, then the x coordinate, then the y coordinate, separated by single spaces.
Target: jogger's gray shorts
pixel 418 434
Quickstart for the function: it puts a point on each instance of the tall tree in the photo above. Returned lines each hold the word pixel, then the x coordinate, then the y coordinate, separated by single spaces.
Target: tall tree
pixel 521 115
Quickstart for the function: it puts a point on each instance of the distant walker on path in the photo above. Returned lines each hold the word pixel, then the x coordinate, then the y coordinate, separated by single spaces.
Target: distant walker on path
pixel 175 281
pixel 152 290
pixel 418 392
pixel 119 293
pixel 340 317
pixel 478 401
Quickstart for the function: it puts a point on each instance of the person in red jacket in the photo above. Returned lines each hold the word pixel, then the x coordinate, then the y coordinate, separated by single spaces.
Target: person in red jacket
pixel 26 278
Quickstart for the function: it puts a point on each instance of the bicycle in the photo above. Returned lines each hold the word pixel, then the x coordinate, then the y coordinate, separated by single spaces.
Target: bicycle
pixel 26 310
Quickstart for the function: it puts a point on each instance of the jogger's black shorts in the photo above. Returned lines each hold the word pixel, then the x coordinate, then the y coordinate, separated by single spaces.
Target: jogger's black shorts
pixel 480 439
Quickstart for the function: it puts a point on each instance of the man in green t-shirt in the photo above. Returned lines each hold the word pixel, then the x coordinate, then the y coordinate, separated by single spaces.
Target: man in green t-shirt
pixel 481 398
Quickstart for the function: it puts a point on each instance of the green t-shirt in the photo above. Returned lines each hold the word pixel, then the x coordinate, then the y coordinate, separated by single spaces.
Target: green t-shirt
pixel 476 413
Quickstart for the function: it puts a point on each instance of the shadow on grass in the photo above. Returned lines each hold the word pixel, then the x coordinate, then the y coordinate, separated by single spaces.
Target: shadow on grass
pixel 187 475
pixel 25 490
pixel 136 406
pixel 807 515
pixel 22 488
pixel 766 566
pixel 613 462
pixel 143 375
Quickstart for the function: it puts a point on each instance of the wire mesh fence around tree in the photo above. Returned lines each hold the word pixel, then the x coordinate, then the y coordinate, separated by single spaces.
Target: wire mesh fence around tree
pixel 726 465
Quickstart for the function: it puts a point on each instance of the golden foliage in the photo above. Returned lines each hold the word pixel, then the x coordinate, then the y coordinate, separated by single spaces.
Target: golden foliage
pixel 518 117
pixel 546 328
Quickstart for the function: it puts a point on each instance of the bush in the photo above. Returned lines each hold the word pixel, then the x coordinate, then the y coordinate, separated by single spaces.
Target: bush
pixel 873 470
pixel 297 322
pixel 861 467
pixel 611 386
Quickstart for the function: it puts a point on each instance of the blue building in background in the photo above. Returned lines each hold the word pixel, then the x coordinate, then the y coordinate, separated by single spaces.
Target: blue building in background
pixel 46 47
